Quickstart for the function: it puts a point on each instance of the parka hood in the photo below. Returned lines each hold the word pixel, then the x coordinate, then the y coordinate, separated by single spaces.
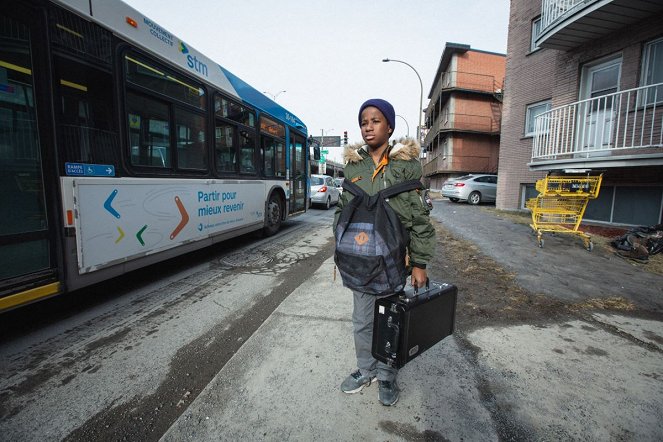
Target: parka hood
pixel 404 149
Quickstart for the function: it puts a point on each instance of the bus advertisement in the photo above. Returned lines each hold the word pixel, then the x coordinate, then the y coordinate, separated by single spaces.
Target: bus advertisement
pixel 122 146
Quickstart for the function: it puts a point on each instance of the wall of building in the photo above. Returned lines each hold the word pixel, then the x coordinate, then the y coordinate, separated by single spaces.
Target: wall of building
pixel 529 79
pixel 482 63
pixel 476 153
pixel 551 74
pixel 477 112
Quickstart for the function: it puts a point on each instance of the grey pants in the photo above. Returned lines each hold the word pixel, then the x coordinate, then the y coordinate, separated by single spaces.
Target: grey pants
pixel 362 320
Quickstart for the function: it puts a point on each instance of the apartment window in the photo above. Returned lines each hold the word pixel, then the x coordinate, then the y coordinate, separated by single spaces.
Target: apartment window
pixel 536 30
pixel 652 71
pixel 534 110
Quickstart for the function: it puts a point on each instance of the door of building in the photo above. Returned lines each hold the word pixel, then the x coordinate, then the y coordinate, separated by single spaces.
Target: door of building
pixel 598 108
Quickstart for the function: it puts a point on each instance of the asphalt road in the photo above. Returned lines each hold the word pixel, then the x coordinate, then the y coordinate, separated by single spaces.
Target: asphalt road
pixel 122 360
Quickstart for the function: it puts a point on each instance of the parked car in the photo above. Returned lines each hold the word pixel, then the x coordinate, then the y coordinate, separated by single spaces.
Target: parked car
pixel 473 188
pixel 324 191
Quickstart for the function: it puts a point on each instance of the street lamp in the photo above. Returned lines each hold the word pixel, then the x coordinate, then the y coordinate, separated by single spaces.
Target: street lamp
pixel 406 125
pixel 273 95
pixel 421 96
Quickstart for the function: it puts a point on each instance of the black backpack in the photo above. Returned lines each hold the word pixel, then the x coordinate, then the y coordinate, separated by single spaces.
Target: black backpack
pixel 371 242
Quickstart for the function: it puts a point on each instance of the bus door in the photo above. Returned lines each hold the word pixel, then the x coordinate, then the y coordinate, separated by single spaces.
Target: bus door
pixel 27 268
pixel 298 175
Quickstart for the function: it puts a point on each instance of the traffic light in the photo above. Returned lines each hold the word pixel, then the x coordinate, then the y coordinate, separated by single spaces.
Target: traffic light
pixel 316 147
pixel 345 137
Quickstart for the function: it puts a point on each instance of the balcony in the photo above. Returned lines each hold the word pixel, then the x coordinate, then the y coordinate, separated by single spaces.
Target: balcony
pixel 459 81
pixel 442 164
pixel 480 124
pixel 567 24
pixel 614 130
pixel 458 163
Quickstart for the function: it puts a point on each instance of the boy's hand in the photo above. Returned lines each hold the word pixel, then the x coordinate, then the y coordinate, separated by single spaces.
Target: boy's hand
pixel 419 277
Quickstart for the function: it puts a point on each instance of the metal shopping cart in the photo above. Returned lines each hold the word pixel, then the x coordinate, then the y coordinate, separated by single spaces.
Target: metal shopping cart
pixel 561 204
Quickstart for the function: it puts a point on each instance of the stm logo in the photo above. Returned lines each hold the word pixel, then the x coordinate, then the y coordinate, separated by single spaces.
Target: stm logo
pixel 192 61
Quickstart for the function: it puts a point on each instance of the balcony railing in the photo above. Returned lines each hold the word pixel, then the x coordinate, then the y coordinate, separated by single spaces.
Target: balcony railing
pixel 552 10
pixel 462 123
pixel 456 162
pixel 610 125
pixel 468 81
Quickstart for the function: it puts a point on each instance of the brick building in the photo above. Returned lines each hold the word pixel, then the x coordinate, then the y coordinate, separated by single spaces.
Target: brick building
pixel 584 90
pixel 464 113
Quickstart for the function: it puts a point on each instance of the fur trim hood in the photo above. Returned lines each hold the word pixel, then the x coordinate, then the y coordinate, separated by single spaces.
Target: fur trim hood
pixel 405 149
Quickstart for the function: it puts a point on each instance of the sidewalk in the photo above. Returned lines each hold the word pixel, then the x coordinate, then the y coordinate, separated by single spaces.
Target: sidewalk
pixel 284 383
pixel 595 379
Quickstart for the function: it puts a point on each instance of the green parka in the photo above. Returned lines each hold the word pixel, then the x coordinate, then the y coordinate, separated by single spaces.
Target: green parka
pixel 410 207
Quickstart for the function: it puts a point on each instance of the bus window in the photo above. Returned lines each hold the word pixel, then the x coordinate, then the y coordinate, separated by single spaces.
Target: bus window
pixel 235 137
pixel 191 146
pixel 232 111
pixel 149 137
pixel 226 157
pixel 274 157
pixel 85 119
pixel 157 79
pixel 273 149
pixel 246 152
pixel 167 123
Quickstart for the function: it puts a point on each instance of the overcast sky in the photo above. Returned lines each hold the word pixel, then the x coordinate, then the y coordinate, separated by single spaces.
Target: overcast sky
pixel 327 54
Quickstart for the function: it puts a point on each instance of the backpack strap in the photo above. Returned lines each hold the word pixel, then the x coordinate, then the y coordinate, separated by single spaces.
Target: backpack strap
pixel 386 193
pixel 353 188
pixel 400 188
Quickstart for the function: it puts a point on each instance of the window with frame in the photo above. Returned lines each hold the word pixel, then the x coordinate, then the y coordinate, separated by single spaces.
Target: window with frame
pixel 149 75
pixel 226 155
pixel 191 144
pixel 165 117
pixel 534 34
pixel 85 123
pixel 247 146
pixel 230 110
pixel 234 137
pixel 149 137
pixel 274 157
pixel 652 71
pixel 273 149
pixel 533 111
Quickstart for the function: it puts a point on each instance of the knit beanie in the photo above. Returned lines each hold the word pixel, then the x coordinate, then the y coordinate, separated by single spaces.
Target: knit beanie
pixel 384 106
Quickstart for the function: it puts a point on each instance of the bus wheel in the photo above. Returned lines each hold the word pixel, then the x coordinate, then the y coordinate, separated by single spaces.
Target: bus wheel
pixel 273 221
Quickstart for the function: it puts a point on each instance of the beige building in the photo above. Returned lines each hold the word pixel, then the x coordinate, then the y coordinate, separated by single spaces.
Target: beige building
pixel 584 90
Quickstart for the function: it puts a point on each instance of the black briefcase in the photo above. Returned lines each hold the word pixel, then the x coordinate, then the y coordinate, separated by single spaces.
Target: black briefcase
pixel 408 324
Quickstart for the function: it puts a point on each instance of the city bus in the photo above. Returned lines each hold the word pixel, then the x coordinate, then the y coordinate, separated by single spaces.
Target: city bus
pixel 122 146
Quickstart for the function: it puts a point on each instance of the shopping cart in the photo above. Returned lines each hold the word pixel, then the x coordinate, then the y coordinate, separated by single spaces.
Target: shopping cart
pixel 561 204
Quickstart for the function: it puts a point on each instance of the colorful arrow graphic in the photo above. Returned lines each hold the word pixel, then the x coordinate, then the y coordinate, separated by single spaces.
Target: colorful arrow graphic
pixel 109 201
pixel 139 235
pixel 184 220
pixel 119 238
